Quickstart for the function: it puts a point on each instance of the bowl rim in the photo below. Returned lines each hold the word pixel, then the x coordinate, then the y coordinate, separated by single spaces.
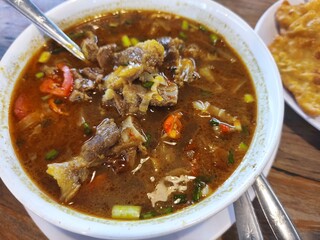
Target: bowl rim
pixel 91 226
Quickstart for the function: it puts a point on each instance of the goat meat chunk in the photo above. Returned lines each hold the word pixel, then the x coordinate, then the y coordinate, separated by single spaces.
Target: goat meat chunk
pixel 105 55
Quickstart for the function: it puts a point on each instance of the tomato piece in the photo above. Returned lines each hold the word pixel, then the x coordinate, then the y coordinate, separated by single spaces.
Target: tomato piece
pixel 67 83
pixel 49 85
pixel 173 126
pixel 224 128
pixel 22 106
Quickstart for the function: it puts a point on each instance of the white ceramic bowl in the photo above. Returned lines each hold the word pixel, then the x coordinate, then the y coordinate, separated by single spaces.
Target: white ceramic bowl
pixel 269 123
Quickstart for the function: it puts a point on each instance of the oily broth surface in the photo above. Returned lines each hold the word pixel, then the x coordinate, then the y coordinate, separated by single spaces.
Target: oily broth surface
pixel 64 134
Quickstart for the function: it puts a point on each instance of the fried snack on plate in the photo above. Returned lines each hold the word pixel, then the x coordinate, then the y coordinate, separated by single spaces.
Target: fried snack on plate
pixel 297 53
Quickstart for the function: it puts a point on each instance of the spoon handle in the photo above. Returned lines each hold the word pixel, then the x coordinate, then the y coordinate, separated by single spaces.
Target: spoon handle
pixel 246 220
pixel 277 217
pixel 28 9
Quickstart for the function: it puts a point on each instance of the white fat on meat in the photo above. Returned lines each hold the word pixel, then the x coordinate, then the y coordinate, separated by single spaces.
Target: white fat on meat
pixel 162 191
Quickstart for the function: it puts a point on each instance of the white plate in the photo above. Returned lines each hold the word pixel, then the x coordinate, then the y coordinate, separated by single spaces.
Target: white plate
pixel 267 30
pixel 210 229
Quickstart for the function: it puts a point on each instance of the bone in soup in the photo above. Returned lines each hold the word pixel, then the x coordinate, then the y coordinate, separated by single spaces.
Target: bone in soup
pixel 157 119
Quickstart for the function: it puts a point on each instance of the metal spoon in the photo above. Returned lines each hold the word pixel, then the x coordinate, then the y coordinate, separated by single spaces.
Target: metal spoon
pixel 277 217
pixel 247 224
pixel 28 9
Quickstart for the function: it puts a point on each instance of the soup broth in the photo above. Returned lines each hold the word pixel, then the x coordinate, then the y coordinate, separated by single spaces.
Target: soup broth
pixel 157 119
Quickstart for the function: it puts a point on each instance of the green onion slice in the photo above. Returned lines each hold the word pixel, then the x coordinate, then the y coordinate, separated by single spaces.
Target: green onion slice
pixel 44 57
pixel 148 140
pixel 243 146
pixel 166 210
pixel 230 157
pixel 248 98
pixel 126 41
pixel 148 215
pixel 126 212
pixel 214 38
pixel 179 198
pixel 86 128
pixel 185 25
pixel 199 183
pixel 203 28
pixel 147 84
pixel 52 154
pixel 182 35
pixel 134 41
pixel 39 75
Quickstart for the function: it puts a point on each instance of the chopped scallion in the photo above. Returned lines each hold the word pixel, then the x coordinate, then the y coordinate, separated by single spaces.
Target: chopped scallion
pixel 199 183
pixel 214 38
pixel 185 25
pixel 39 74
pixel 148 215
pixel 147 84
pixel 166 210
pixel 248 98
pixel 179 198
pixel 196 193
pixel 44 57
pixel 126 41
pixel 243 146
pixel 148 140
pixel 182 35
pixel 126 212
pixel 52 154
pixel 202 28
pixel 245 130
pixel 231 157
pixel 134 41
pixel 86 128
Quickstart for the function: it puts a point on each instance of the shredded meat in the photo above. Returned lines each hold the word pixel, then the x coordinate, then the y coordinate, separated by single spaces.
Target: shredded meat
pixel 94 74
pixel 169 94
pixel 132 95
pixel 172 47
pixel 83 86
pixel 89 47
pixel 105 55
pixel 131 136
pixel 107 134
pixel 186 71
pixel 149 54
pixel 130 143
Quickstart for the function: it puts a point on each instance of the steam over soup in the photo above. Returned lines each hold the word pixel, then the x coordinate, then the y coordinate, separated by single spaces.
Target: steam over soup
pixel 159 116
